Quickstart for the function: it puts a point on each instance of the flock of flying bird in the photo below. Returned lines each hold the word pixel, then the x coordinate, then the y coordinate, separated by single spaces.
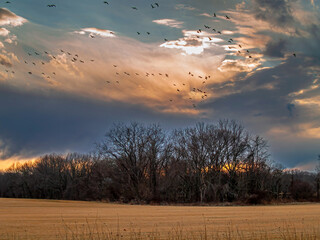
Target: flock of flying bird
pixel 45 54
pixel 200 92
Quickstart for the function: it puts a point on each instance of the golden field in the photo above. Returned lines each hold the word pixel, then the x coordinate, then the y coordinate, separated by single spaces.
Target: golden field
pixel 50 219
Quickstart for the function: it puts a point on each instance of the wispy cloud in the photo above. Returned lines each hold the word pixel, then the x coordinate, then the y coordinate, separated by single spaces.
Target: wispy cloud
pixel 169 22
pixel 185 7
pixel 96 32
pixel 206 15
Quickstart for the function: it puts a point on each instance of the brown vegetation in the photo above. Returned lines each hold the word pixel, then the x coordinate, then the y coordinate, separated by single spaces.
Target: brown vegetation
pixel 57 220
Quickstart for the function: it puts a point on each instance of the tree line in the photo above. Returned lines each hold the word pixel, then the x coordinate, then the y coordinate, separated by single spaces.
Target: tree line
pixel 206 163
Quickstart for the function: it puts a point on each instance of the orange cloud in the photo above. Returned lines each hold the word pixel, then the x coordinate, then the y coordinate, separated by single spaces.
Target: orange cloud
pixel 146 74
pixel 9 18
pixel 4 32
pixel 5 164
pixel 301 130
pixel 5 61
pixel 240 65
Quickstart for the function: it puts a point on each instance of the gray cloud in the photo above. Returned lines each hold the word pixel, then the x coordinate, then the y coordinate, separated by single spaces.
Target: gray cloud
pixel 291 108
pixel 276 48
pixel 266 110
pixel 277 12
pixel 32 124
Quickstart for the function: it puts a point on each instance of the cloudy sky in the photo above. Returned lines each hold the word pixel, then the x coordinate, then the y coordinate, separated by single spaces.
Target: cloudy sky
pixel 70 69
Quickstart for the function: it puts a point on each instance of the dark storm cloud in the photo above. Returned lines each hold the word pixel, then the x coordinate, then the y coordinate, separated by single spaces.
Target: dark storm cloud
pixel 286 78
pixel 33 124
pixel 263 108
pixel 277 12
pixel 291 107
pixel 276 48
pixel 315 31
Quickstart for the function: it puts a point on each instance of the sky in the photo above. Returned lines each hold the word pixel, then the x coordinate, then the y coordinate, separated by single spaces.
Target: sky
pixel 70 69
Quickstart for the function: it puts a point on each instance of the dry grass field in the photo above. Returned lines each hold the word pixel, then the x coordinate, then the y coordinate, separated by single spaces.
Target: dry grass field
pixel 48 219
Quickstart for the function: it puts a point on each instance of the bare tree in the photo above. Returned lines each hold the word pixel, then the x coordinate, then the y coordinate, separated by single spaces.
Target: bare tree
pixel 318 178
pixel 203 163
pixel 138 153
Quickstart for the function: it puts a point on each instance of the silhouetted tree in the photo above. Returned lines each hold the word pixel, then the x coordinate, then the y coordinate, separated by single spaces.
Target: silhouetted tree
pixel 205 163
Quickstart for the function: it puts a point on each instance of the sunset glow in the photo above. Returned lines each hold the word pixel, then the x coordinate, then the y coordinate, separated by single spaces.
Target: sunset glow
pixel 69 71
